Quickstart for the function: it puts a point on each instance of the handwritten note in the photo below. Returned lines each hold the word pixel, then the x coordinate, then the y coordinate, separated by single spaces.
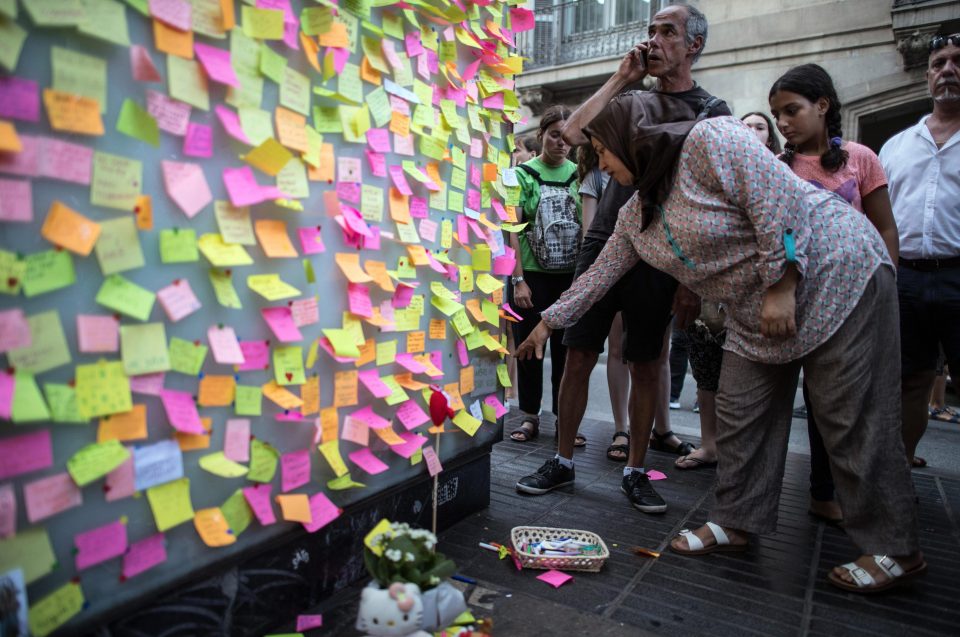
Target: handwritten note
pixel 51 495
pixel 171 504
pixel 100 544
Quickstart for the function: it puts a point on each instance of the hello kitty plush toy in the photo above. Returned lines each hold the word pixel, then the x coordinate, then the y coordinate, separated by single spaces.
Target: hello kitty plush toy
pixel 393 612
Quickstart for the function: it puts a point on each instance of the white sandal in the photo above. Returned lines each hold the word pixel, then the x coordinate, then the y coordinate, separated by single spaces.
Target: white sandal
pixel 695 545
pixel 864 582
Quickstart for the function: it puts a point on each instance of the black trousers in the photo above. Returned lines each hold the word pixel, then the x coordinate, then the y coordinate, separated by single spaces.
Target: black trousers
pixel 679 353
pixel 546 288
pixel 821 478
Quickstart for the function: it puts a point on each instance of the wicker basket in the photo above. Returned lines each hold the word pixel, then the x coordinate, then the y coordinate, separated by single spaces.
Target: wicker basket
pixel 525 534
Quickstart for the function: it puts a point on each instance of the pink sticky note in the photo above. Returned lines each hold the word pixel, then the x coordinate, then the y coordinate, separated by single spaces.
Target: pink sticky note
pixel 51 495
pixel 198 141
pixel 436 357
pixel 411 414
pixel 354 221
pixel 216 62
pixel 306 622
pixel 355 430
pixel 100 544
pixel 310 240
pixel 418 208
pixel 224 345
pixel 236 440
pixel 410 364
pixel 26 163
pixel 365 459
pixel 149 384
pixel 555 578
pixel 411 442
pixel 372 418
pixel 349 191
pixel 294 469
pixel 428 230
pixel 494 101
pixel 258 497
pixel 8 511
pixel 475 175
pixel 498 408
pixel 142 66
pixel 400 180
pixel 504 265
pixel 97 333
pixel 324 512
pixel 144 555
pixel 413 44
pixel 25 453
pixel 377 162
pixel 462 353
pixel 390 53
pixel 256 355
pixel 402 295
pixel 280 320
pixel 433 461
pixel 371 380
pixel 181 411
pixel 231 123
pixel 172 116
pixel 121 482
pixel 14 330
pixel 358 298
pixel 19 99
pixel 187 186
pixel 243 188
pixel 16 201
pixel 403 145
pixel 65 161
pixel 176 13
pixel 653 474
pixel 305 311
pixel 178 300
pixel 379 140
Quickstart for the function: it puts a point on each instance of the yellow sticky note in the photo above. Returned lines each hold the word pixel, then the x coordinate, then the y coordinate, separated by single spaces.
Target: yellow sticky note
pixel 372 539
pixel 271 287
pixel 30 550
pixel 56 609
pixel 295 507
pixel 212 527
pixel 467 422
pixel 331 452
pixel 264 24
pixel 270 156
pixel 219 465
pixel 170 503
pixel 102 389
pixel 222 254
pixel 343 343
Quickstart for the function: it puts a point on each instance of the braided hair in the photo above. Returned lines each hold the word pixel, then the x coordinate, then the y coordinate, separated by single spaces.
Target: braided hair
pixel 813 82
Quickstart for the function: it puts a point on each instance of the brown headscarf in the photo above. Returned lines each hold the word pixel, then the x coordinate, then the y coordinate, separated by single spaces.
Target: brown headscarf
pixel 646 131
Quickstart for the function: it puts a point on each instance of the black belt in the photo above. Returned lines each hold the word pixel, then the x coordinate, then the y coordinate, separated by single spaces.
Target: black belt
pixel 931 265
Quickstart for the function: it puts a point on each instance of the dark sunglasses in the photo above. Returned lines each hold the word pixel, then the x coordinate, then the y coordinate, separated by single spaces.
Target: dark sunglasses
pixel 940 41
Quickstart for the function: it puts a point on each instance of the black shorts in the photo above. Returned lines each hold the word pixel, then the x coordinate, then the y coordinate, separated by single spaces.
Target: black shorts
pixel 645 297
pixel 929 319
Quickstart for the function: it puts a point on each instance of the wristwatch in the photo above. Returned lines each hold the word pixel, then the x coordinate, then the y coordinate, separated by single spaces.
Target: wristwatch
pixel 516 279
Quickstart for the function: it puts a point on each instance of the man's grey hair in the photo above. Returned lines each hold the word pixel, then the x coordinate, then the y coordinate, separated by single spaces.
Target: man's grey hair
pixel 696 25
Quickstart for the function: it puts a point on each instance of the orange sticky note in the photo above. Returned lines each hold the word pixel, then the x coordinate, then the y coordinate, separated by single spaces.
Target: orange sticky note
pixel 399 124
pixel 415 342
pixel 418 255
pixel 438 329
pixel 310 394
pixel 213 528
pixel 69 229
pixel 407 382
pixel 128 425
pixel 172 41
pixel 453 392
pixel 311 51
pixel 349 263
pixel 378 271
pixel 466 380
pixel 9 141
pixel 489 172
pixel 389 436
pixel 473 305
pixel 511 213
pixel 329 424
pixel 73 113
pixel 291 129
pixel 368 353
pixel 272 235
pixel 368 73
pixel 399 206
pixel 345 388
pixel 295 507
pixel 144 212
pixel 433 172
pixel 325 171
pixel 216 390
pixel 497 297
pixel 336 37
pixel 279 395
pixel 227 17
pixel 192 442
pixel 331 205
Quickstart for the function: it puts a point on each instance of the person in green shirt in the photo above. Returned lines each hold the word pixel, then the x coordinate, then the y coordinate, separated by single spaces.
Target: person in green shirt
pixel 546 258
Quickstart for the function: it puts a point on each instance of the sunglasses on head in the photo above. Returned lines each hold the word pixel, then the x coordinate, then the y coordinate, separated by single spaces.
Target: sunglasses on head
pixel 940 41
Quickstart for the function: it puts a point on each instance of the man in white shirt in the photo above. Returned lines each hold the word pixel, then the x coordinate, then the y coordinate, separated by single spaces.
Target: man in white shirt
pixel 923 168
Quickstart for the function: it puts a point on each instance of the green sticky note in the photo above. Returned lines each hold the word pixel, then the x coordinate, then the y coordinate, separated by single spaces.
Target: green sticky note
pixel 263 461
pixel 103 388
pixel 48 346
pixel 244 53
pixel 96 460
pixel 272 64
pixel 349 85
pixel 386 352
pixel 295 91
pixel 62 401
pixel 416 457
pixel 250 91
pixel 379 103
pixel 398 394
pixel 138 123
pixel 28 404
pixel 12 271
pixel 288 365
pixel 292 180
pixel 144 349
pixel 30 550
pixel 171 504
pixel 224 290
pixel 118 247
pixel 393 25
pixel 308 271
pixel 186 357
pixel 117 181
pixel 264 24
pixel 55 13
pixel 178 245
pixel 48 271
pixel 257 124
pixel 237 512
pixel 219 465
pixel 316 20
pixel 248 400
pixel 126 297
pixel 343 483
pixel 12 37
pixel 79 73
pixel 56 609
pixel 187 82
pixel 327 120
pixel 107 20
pixel 342 342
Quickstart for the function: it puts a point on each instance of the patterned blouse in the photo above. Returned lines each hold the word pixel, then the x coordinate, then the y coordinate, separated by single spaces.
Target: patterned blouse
pixel 721 233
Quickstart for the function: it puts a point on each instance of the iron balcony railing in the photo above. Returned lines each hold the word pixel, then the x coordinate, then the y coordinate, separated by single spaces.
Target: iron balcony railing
pixel 582 30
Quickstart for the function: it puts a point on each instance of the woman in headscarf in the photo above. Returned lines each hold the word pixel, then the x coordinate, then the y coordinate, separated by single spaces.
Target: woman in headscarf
pixel 806 282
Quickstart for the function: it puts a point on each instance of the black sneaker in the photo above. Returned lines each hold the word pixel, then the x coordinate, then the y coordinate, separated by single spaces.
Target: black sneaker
pixel 641 493
pixel 547 478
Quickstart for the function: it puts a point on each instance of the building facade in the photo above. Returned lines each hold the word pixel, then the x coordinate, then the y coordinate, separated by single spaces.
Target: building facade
pixel 876 51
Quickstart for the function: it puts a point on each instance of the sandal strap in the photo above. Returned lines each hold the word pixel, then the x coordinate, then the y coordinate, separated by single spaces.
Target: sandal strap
pixel 625 434
pixel 861 577
pixel 693 542
pixel 665 434
pixel 718 533
pixel 889 566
